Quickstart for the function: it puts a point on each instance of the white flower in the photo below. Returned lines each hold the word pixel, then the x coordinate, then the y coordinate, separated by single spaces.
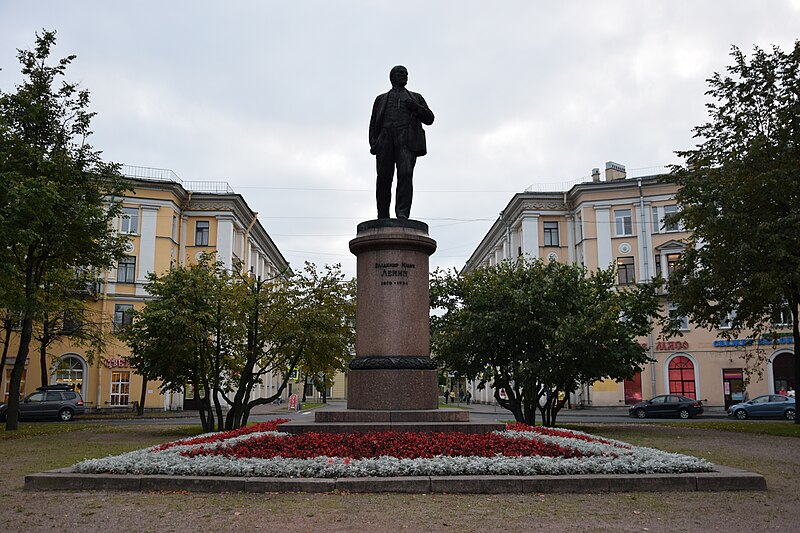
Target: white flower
pixel 608 457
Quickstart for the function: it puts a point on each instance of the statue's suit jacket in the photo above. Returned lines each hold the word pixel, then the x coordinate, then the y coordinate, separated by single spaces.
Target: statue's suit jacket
pixel 416 135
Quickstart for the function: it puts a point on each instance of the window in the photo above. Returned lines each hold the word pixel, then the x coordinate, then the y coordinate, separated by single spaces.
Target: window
pixel 126 269
pixel 122 316
pixel 681 377
pixel 626 272
pixel 623 222
pixel 175 228
pixel 672 261
pixel 129 220
pixel 683 321
pixel 71 323
pixel 579 229
pixel 120 387
pixel 669 210
pixel 783 317
pixel 70 371
pixel 727 320
pixel 551 233
pixel 36 397
pixel 53 396
pixel 201 233
pixel 659 216
pixel 7 384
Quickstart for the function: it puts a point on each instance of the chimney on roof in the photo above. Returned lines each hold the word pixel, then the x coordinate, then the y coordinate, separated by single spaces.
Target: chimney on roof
pixel 615 171
pixel 595 174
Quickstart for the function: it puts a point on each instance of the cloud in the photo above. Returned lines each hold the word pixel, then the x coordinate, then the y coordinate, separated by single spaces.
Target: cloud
pixel 275 97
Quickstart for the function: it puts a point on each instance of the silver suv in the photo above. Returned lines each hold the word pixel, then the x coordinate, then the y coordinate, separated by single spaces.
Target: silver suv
pixel 54 401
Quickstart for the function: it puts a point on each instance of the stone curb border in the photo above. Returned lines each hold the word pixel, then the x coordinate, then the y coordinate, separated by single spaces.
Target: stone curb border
pixel 722 479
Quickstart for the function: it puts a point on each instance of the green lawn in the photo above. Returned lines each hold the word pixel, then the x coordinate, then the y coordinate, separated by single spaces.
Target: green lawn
pixel 776 429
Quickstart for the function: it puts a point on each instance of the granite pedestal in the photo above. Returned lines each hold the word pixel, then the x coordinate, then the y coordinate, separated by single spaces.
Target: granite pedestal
pixel 392 381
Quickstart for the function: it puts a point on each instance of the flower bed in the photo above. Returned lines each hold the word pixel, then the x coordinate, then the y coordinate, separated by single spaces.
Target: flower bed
pixel 261 450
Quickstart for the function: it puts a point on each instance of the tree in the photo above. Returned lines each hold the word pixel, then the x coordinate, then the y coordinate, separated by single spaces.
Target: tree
pixel 184 336
pixel 536 330
pixel 331 315
pixel 65 313
pixel 222 332
pixel 297 321
pixel 55 215
pixel 740 199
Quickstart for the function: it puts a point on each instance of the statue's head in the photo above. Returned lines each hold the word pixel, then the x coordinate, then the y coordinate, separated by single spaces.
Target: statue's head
pixel 398 76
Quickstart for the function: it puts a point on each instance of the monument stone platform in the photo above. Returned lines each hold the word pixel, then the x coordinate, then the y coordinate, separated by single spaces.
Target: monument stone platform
pixel 392 382
pixel 364 421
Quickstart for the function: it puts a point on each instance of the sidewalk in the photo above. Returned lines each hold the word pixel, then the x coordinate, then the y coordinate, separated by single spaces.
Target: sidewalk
pixel 268 409
pixel 601 411
pixel 283 409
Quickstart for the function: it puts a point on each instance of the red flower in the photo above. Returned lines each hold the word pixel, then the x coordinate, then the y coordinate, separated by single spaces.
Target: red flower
pixel 401 445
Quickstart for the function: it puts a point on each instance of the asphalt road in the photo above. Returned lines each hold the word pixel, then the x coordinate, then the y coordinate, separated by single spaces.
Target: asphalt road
pixel 478 413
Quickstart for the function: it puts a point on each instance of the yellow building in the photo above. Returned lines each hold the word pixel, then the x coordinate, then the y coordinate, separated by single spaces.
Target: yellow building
pixel 620 220
pixel 169 222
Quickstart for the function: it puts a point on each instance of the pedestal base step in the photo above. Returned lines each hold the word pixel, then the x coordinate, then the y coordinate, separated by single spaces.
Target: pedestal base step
pixel 301 426
pixel 391 416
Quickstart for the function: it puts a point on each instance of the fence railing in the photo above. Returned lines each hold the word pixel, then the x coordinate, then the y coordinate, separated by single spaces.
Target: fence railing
pixel 165 174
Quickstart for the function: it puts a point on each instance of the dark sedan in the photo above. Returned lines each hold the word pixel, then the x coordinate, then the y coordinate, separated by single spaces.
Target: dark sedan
pixel 766 406
pixel 667 405
pixel 53 401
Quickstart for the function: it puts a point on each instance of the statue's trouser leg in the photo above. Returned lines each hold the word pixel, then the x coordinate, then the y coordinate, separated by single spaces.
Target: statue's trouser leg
pixel 405 184
pixel 384 163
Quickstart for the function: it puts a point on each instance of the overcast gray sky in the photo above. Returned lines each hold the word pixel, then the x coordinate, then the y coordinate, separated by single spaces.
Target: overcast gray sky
pixel 274 97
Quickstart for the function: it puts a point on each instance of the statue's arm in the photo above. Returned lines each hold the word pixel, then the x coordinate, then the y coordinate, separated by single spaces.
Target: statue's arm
pixel 374 125
pixel 424 113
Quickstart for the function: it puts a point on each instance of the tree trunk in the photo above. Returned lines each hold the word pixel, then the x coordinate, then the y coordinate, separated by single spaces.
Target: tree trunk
pixel 235 416
pixel 142 398
pixel 218 409
pixel 305 380
pixel 45 373
pixel 513 403
pixel 7 327
pixel 264 401
pixel 551 408
pixel 206 414
pixel 796 335
pixel 12 414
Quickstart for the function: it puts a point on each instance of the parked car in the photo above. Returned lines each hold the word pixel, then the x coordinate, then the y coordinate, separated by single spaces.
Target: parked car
pixel 765 406
pixel 667 405
pixel 58 402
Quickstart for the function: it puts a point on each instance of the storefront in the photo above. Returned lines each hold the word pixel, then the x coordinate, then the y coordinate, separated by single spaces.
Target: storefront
pixel 733 385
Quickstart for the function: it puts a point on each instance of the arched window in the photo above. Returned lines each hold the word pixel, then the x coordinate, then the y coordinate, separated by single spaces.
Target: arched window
pixel 783 372
pixel 70 370
pixel 681 377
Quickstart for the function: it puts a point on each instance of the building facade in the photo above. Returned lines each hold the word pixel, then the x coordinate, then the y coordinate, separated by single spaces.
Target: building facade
pixel 620 220
pixel 169 223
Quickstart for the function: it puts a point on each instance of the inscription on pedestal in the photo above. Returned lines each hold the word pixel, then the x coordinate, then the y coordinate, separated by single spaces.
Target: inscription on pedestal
pixel 395 274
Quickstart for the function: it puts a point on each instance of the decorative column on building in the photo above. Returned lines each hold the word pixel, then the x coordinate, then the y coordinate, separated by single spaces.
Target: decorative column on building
pixel 530 234
pixel 603 223
pixel 225 240
pixel 147 246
